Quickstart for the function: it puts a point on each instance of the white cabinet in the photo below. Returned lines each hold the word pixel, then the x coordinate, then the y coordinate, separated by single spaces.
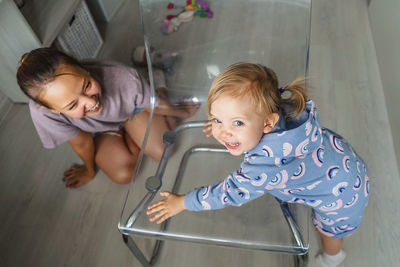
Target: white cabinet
pixel 48 17
pixel 37 24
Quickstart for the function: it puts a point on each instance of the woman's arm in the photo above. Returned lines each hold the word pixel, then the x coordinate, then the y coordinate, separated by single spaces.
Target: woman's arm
pixel 78 175
pixel 179 111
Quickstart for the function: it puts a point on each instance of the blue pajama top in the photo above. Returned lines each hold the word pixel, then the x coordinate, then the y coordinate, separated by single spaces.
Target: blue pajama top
pixel 298 162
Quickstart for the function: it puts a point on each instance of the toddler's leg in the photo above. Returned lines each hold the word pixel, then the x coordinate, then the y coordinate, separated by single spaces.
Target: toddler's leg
pixel 333 254
pixel 331 246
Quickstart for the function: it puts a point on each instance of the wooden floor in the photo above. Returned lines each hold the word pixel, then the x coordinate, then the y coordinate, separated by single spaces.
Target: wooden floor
pixel 44 224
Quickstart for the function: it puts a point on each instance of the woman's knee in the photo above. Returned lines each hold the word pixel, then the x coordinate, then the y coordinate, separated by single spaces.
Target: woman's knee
pixel 122 175
pixel 115 157
pixel 119 171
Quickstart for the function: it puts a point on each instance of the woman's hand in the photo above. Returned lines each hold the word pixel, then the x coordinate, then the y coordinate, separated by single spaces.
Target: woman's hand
pixel 164 209
pixel 77 176
pixel 207 128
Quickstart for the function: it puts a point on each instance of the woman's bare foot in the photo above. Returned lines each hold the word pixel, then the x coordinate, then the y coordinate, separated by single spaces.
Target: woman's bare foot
pixel 186 111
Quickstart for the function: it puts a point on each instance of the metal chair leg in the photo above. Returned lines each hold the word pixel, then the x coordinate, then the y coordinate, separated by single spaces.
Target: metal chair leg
pixel 136 250
pixel 131 244
pixel 301 260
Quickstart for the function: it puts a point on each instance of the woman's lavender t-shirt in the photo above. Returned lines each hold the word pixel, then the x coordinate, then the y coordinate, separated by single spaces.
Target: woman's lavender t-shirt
pixel 123 90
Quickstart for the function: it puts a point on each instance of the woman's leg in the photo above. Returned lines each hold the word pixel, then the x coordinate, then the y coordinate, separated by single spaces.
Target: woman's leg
pixel 136 128
pixel 116 156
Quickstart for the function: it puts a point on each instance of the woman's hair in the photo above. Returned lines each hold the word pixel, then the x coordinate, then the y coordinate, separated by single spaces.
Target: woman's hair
pixel 261 84
pixel 39 67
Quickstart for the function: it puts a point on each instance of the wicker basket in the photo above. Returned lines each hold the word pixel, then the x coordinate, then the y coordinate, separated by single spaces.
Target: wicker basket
pixel 80 37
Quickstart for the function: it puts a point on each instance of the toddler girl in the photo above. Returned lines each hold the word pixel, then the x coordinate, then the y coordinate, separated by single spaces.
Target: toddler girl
pixel 286 153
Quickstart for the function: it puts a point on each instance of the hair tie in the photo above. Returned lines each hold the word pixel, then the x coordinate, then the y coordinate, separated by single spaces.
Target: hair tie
pixel 281 90
pixel 21 61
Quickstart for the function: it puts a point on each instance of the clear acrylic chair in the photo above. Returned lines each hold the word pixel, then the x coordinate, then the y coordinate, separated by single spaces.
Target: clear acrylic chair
pixel 271 32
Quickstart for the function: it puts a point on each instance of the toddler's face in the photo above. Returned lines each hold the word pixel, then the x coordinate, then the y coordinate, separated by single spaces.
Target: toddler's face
pixel 74 93
pixel 236 125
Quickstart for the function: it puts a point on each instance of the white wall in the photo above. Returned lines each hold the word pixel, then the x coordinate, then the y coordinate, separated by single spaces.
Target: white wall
pixel 385 24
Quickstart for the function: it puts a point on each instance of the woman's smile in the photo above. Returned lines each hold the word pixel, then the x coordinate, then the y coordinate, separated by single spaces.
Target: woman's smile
pixel 97 106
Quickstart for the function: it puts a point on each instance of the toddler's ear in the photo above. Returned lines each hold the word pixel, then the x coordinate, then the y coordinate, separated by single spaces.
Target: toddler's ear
pixel 270 121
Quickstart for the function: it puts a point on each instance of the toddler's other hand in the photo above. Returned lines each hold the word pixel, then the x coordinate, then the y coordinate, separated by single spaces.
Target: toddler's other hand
pixel 207 128
pixel 164 209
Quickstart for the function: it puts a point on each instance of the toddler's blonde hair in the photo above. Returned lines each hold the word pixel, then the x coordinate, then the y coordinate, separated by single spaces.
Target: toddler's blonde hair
pixel 261 84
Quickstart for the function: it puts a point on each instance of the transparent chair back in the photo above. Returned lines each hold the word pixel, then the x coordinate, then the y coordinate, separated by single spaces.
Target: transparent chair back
pixel 257 31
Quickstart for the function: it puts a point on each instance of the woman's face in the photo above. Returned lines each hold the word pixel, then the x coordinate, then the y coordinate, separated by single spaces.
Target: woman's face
pixel 73 93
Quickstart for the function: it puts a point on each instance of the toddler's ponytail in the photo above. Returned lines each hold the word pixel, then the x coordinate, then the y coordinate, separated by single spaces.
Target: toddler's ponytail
pixel 297 99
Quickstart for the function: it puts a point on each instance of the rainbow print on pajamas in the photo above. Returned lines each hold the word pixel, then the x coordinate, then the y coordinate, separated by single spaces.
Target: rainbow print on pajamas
pixel 298 162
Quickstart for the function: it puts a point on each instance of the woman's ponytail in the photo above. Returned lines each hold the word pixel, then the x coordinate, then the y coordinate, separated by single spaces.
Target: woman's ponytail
pixel 38 67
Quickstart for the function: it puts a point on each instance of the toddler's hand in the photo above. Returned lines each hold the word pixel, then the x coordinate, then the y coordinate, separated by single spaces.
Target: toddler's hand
pixel 164 209
pixel 207 128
